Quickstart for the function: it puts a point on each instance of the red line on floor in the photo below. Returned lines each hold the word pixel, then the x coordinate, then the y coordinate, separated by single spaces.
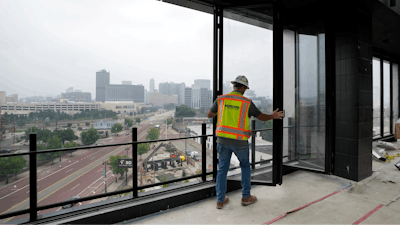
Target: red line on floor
pixel 368 214
pixel 280 217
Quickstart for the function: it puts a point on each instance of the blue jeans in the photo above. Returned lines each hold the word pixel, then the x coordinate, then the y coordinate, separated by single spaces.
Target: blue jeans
pixel 225 153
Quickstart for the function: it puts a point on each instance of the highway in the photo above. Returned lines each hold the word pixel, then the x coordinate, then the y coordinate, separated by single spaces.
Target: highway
pixel 80 175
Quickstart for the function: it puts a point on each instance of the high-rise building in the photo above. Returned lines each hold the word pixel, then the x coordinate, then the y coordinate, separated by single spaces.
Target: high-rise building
pixel 205 98
pixel 120 92
pixel 172 88
pixel 69 90
pixel 146 96
pixel 188 97
pixel 102 80
pixel 116 92
pixel 127 82
pixel 203 83
pixel 2 97
pixel 152 85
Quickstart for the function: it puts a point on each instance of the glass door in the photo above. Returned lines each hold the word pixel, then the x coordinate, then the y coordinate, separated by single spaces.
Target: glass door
pixel 304 127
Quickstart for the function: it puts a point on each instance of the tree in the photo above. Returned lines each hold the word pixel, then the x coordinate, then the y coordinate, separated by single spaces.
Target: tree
pixel 47 121
pixel 69 124
pixel 114 165
pixel 169 121
pixel 54 143
pixel 184 111
pixel 31 130
pixel 21 123
pixel 87 124
pixel 165 179
pixel 137 119
pixel 115 118
pixel 90 136
pixel 11 164
pixel 116 128
pixel 143 149
pixel 153 134
pixel 129 122
pixel 70 145
pixel 169 106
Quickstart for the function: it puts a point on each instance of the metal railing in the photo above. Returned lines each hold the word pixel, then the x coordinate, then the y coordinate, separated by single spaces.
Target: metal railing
pixel 34 208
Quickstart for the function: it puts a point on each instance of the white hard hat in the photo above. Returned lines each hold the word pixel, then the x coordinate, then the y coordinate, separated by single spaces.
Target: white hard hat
pixel 241 80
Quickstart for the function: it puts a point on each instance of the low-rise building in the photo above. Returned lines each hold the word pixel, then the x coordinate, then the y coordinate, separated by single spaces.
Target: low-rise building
pixel 104 125
pixel 26 108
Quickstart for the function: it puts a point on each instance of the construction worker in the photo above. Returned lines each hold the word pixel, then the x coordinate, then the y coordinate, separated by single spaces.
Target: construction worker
pixel 233 131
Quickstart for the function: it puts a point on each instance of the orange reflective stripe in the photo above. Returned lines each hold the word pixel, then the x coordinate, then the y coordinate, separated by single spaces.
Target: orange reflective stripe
pixel 235 99
pixel 234 128
pixel 226 132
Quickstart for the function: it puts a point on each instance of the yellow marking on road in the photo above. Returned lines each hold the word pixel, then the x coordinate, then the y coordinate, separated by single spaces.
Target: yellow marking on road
pixel 59 182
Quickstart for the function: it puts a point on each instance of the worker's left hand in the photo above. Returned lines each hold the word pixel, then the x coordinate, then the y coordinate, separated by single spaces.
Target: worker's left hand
pixel 277 115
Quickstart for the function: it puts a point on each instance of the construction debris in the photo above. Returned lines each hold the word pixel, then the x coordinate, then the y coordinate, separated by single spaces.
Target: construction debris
pixel 397 165
pixel 387 145
pixel 377 154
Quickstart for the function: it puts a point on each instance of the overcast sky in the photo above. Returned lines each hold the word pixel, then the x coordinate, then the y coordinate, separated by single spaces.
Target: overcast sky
pixel 47 46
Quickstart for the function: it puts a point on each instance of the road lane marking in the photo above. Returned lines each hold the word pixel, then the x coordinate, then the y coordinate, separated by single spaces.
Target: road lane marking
pixel 75 187
pixel 92 158
pixel 68 170
pixel 59 182
pixel 100 170
pixel 37 180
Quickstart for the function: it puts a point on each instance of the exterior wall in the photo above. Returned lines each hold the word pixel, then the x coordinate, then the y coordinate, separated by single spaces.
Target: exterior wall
pixel 78 96
pixel 188 97
pixel 2 97
pixel 152 85
pixel 102 80
pixel 173 89
pixel 12 98
pixel 104 125
pixel 206 98
pixel 161 99
pixel 203 83
pixel 353 59
pixel 116 92
pixel 121 107
pixel 127 82
pixel 26 108
pixel 196 97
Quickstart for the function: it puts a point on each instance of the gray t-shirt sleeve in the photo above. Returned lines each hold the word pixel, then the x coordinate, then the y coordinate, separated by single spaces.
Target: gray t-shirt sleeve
pixel 214 107
pixel 253 110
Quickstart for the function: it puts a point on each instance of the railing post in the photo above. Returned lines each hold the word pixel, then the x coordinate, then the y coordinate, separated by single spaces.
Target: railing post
pixel 253 144
pixel 134 163
pixel 32 179
pixel 203 152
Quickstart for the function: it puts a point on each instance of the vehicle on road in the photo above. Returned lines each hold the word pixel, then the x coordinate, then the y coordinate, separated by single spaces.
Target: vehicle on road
pixel 158 126
pixel 197 158
pixel 188 153
pixel 127 133
pixel 4 151
pixel 72 204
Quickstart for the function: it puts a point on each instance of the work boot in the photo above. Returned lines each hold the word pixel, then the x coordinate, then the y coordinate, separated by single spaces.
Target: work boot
pixel 220 205
pixel 250 200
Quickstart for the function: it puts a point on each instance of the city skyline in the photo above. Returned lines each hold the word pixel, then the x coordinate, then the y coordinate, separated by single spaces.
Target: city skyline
pixel 57 46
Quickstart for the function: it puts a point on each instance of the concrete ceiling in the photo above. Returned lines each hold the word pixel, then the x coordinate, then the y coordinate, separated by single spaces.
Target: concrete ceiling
pixel 298 14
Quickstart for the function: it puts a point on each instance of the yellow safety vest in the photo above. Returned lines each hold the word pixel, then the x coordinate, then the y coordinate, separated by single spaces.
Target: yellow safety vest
pixel 233 121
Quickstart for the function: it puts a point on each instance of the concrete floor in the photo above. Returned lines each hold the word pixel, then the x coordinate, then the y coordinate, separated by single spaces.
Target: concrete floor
pixel 346 201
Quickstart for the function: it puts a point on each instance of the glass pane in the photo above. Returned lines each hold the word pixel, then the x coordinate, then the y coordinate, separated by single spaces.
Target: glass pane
pixel 395 69
pixel 386 97
pixel 376 82
pixel 289 94
pixel 311 99
pixel 14 187
pixel 263 144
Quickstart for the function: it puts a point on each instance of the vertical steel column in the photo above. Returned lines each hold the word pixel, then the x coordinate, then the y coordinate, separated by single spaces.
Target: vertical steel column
pixel 134 163
pixel 203 152
pixel 277 92
pixel 215 89
pixel 32 179
pixel 220 50
pixel 391 99
pixel 253 144
pixel 382 110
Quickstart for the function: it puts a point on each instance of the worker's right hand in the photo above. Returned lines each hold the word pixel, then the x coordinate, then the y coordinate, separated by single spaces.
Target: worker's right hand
pixel 277 115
